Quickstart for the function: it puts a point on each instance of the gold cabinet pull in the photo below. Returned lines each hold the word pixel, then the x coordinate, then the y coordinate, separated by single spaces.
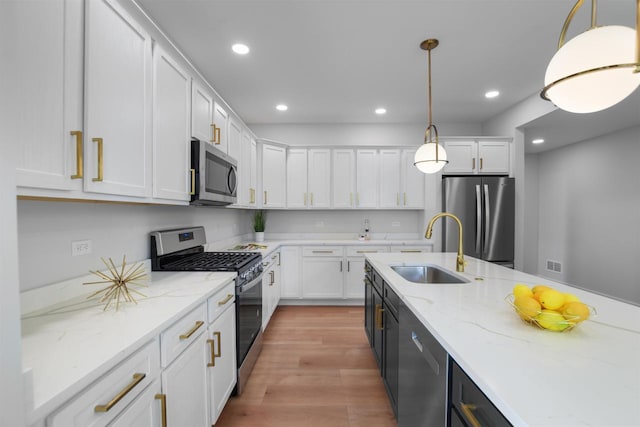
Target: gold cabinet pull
pixel 219 339
pixel 213 133
pixel 367 252
pixel 481 163
pixel 467 410
pixel 311 199
pixel 473 164
pixel 192 331
pixel 79 165
pixel 137 378
pixel 100 160
pixel 410 251
pixel 163 408
pixel 193 182
pixel 273 277
pixel 213 355
pixel 225 300
pixel 322 252
pixel 265 197
pixel 218 138
pixel 378 316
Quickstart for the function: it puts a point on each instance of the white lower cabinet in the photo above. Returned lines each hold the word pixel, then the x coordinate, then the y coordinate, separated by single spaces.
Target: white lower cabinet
pixel 322 271
pixel 290 272
pixel 270 286
pixel 354 274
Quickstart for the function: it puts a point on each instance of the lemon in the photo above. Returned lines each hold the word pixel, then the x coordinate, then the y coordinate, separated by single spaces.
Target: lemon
pixel 575 312
pixel 552 320
pixel 527 307
pixel 551 299
pixel 520 290
pixel 538 290
pixel 570 298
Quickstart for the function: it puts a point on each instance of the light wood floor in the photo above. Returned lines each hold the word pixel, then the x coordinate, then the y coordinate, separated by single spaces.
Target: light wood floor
pixel 316 369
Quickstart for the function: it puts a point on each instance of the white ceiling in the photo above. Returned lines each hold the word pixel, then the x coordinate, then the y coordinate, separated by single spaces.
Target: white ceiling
pixel 335 61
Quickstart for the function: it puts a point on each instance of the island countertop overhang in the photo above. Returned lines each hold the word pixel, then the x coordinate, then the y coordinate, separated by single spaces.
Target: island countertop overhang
pixel 535 377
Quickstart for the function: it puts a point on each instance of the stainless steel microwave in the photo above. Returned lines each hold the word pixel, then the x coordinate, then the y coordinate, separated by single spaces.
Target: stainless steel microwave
pixel 214 179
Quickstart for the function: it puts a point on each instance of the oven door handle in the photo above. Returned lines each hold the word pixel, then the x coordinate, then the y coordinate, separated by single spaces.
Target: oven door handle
pixel 250 285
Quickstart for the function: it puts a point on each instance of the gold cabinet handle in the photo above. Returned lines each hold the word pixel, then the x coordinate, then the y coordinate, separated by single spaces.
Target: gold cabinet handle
pixel 473 164
pixel 213 133
pixel 273 277
pixel 192 331
pixel 410 251
pixel 219 339
pixel 137 378
pixel 226 300
pixel 213 354
pixel 481 163
pixel 218 138
pixel 100 160
pixel 79 165
pixel 311 199
pixel 378 316
pixel 193 182
pixel 467 409
pixel 163 407
pixel 322 252
pixel 265 197
pixel 367 252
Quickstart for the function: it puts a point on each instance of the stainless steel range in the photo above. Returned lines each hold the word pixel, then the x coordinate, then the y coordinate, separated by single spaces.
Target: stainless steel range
pixel 183 250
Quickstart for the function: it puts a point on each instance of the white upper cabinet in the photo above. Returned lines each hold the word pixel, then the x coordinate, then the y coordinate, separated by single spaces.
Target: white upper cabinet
pixel 274 165
pixel 411 181
pixel 390 179
pixel 220 128
pixel 253 185
pixel 50 153
pixel 297 196
pixel 366 178
pixel 344 178
pixel 235 139
pixel 201 113
pixel 171 128
pixel 477 157
pixel 319 178
pixel 117 102
pixel 247 170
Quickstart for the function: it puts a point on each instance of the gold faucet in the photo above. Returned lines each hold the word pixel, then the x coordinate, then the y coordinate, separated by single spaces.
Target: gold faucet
pixel 460 258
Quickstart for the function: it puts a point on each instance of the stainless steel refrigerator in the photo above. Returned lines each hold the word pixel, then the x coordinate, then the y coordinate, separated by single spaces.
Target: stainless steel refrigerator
pixel 486 208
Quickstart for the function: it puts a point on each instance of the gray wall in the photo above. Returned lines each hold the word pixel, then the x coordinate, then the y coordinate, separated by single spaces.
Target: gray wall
pixel 589 213
pixel 46 230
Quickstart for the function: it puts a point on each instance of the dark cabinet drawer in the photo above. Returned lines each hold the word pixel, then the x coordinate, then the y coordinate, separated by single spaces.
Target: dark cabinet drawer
pixel 378 283
pixel 469 403
pixel 391 299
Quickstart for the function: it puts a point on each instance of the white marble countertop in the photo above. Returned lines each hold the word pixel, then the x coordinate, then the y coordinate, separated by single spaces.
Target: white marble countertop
pixel 67 346
pixel 589 376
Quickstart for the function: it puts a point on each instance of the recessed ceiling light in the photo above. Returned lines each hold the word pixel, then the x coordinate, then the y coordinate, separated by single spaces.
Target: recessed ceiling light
pixel 240 48
pixel 381 110
pixel 537 141
pixel 491 94
pixel 281 107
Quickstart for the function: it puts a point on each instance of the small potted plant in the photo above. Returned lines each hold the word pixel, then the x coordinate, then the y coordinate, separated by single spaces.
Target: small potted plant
pixel 259 218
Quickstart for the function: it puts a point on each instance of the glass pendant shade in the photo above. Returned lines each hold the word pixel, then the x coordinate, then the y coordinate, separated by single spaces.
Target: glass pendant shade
pixel 425 158
pixel 612 47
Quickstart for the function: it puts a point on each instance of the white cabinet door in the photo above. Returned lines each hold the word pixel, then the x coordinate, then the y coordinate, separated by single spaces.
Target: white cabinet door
pixel 354 278
pixel 220 127
pixel 222 375
pixel 290 272
pixel 235 138
pixel 277 282
pixel 117 102
pixel 493 157
pixel 244 170
pixel 50 87
pixel 462 157
pixel 144 411
pixel 184 382
pixel 412 182
pixel 297 196
pixel 390 179
pixel 266 295
pixel 319 178
pixel 254 172
pixel 274 161
pixel 322 277
pixel 171 128
pixel 366 179
pixel 201 113
pixel 344 178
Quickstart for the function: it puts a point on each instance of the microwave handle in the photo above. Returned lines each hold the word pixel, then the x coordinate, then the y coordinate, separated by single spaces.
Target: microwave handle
pixel 232 179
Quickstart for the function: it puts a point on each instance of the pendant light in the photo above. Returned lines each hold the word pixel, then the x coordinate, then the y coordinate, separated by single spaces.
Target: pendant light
pixel 431 156
pixel 596 69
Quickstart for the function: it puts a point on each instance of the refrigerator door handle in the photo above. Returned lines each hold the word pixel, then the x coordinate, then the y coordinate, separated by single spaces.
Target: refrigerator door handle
pixel 478 219
pixel 487 215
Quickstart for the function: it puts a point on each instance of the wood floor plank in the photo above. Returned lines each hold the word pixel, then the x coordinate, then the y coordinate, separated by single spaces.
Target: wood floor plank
pixel 316 369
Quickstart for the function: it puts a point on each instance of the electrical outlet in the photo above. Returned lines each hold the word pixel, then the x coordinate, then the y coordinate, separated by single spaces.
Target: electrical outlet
pixel 80 247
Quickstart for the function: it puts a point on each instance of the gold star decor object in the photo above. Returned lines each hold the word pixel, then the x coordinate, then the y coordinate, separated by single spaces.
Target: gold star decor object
pixel 120 283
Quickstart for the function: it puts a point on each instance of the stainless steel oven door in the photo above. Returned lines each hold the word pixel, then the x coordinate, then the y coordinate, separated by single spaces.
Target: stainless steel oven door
pixel 248 315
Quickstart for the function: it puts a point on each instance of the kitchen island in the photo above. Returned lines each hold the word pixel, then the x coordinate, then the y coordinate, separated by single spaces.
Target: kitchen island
pixel 588 376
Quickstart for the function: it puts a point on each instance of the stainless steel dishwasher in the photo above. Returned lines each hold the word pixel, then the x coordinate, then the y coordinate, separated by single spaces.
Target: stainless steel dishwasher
pixel 422 376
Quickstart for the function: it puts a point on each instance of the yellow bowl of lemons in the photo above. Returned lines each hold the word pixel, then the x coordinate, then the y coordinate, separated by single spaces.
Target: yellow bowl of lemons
pixel 548 308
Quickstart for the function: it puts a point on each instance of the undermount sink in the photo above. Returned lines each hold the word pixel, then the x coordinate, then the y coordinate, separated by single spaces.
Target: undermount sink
pixel 427 273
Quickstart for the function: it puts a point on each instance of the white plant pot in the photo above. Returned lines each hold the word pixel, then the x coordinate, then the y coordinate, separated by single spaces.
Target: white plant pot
pixel 259 236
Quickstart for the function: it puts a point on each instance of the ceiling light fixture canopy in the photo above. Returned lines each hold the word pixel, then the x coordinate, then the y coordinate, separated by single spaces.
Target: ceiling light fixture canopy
pixel 596 69
pixel 431 157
